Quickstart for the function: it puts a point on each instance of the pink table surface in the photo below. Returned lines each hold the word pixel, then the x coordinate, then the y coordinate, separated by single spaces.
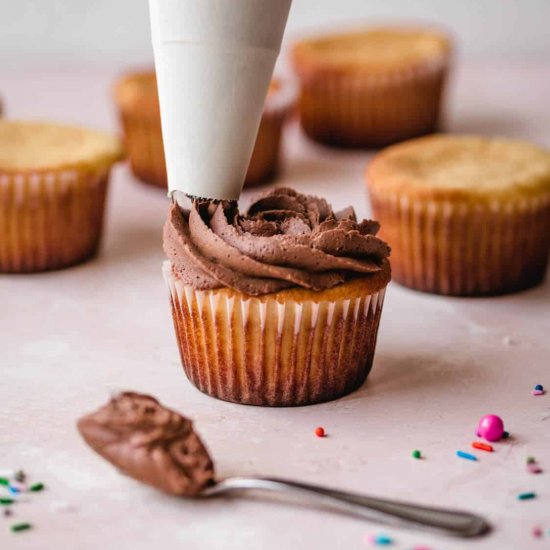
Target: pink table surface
pixel 68 339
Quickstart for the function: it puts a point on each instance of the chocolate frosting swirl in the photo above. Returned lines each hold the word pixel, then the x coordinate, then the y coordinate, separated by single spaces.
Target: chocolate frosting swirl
pixel 286 239
pixel 150 443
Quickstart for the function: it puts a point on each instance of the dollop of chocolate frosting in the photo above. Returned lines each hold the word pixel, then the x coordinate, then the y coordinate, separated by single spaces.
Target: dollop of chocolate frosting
pixel 150 443
pixel 285 239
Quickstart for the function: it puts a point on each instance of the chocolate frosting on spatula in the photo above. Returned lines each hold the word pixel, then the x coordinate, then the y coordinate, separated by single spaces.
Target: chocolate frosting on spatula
pixel 150 443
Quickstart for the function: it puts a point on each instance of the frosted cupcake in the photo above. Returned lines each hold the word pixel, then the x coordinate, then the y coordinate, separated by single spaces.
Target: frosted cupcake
pixel 464 215
pixel 138 104
pixel 277 307
pixel 371 87
pixel 53 181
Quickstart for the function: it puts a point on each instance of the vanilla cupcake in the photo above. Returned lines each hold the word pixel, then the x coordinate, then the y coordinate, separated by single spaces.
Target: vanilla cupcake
pixel 280 306
pixel 53 181
pixel 371 87
pixel 464 215
pixel 138 104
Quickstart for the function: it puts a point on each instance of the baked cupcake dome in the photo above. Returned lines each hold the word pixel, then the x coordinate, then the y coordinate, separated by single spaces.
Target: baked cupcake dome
pixel 371 87
pixel 53 181
pixel 138 104
pixel 279 307
pixel 464 215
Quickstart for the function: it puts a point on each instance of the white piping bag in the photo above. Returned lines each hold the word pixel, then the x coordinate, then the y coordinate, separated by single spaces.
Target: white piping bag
pixel 214 61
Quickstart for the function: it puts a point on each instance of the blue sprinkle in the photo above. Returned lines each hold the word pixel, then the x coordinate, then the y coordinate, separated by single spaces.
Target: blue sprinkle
pixel 467 456
pixel 539 387
pixel 383 540
pixel 13 490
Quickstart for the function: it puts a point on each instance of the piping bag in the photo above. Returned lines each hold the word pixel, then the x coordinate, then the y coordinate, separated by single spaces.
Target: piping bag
pixel 214 61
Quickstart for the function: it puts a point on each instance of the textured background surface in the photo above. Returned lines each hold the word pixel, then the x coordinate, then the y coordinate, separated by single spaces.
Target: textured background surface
pixel 68 339
pixel 75 32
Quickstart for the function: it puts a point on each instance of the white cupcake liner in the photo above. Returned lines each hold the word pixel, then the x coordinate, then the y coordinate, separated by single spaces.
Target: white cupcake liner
pixel 261 351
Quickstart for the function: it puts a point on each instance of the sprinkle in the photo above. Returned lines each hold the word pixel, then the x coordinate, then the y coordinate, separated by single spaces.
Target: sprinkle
pixel 17 487
pixel 416 454
pixel 4 481
pixel 320 431
pixel 505 435
pixel 7 512
pixel 533 467
pixel 4 501
pixel 537 532
pixel 36 487
pixel 490 427
pixel 467 456
pixel 420 548
pixel 20 476
pixel 17 527
pixel 531 460
pixel 526 496
pixel 381 540
pixel 537 392
pixel 482 446
pixel 539 387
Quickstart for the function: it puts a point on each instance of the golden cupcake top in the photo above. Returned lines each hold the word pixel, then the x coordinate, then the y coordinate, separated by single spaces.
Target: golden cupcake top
pixel 39 146
pixel 376 49
pixel 442 166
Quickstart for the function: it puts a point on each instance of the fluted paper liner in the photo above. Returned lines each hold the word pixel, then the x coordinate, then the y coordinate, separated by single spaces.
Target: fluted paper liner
pixel 372 110
pixel 50 220
pixel 143 141
pixel 466 248
pixel 259 351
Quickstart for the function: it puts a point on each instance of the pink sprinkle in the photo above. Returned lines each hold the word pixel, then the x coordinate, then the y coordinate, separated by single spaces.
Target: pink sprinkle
pixel 537 392
pixel 421 548
pixel 534 468
pixel 537 532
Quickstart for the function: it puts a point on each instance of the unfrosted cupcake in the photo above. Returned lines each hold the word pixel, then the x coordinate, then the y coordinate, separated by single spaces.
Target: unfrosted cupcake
pixel 371 87
pixel 138 104
pixel 277 307
pixel 464 215
pixel 53 181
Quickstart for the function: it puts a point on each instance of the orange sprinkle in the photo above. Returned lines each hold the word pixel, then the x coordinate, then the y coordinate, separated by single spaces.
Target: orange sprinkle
pixel 482 446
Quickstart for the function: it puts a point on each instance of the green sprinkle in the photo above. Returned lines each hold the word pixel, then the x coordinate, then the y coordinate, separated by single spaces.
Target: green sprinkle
pixel 416 454
pixel 526 496
pixel 16 527
pixel 531 460
pixel 36 487
pixel 505 435
pixel 6 501
pixel 4 481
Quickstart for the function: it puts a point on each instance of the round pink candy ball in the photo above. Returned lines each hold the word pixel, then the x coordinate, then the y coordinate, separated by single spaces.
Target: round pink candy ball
pixel 491 427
